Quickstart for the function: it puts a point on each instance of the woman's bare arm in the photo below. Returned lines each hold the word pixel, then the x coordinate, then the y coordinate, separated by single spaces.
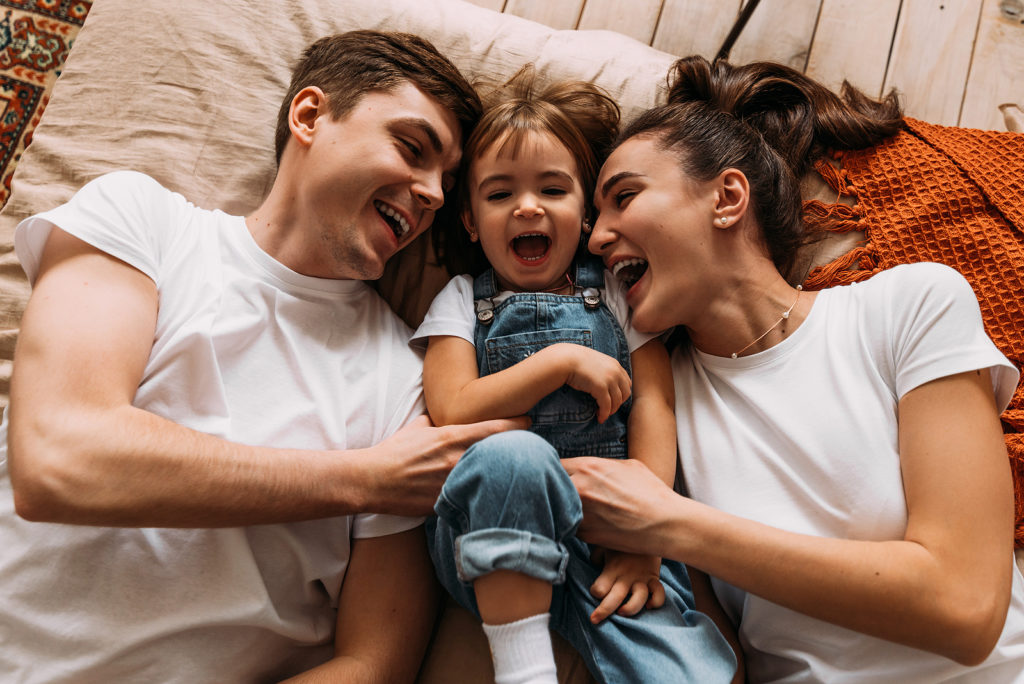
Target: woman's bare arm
pixel 944 587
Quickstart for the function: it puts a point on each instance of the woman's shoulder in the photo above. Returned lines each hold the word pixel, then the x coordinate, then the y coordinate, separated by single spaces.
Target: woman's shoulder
pixel 913 283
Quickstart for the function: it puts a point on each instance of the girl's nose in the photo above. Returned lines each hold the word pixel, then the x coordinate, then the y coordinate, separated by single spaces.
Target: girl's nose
pixel 528 210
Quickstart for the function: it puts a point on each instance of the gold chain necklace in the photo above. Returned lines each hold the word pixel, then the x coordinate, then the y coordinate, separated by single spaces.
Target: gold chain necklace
pixel 784 316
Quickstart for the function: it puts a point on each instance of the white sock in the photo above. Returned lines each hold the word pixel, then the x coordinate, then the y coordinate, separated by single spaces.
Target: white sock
pixel 522 651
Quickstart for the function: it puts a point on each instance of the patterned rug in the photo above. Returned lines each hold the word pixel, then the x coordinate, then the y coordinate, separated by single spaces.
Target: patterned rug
pixel 35 38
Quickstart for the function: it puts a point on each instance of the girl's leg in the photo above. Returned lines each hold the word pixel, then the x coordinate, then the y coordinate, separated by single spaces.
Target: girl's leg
pixel 671 644
pixel 497 544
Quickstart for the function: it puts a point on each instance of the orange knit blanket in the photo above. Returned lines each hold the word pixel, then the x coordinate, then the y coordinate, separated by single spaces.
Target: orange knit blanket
pixel 945 194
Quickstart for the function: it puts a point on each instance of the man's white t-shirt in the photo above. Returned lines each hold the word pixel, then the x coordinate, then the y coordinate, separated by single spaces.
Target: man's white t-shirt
pixel 244 349
pixel 804 437
pixel 453 312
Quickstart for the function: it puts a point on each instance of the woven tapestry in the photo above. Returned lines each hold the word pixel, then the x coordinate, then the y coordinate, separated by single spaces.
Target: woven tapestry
pixel 35 37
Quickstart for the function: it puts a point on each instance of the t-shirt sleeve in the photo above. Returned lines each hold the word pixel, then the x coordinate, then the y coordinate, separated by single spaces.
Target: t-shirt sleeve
pixel 405 390
pixel 116 213
pixel 938 330
pixel 616 300
pixel 451 313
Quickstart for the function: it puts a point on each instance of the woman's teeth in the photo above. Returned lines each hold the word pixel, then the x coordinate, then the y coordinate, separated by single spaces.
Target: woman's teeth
pixel 398 224
pixel 629 270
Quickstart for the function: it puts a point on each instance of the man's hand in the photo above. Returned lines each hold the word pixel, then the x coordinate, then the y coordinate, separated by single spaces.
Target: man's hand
pixel 628 583
pixel 407 469
pixel 601 376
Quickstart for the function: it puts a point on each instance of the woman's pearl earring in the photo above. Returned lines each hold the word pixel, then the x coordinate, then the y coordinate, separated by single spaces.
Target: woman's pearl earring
pixel 724 220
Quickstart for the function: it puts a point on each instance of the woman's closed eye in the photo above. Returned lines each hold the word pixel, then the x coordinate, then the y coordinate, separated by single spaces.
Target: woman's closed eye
pixel 412 147
pixel 622 197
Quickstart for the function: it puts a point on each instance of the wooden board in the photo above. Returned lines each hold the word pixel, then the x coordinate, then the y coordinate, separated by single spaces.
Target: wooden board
pixel 997 70
pixel 559 14
pixel 852 42
pixel 931 57
pixel 778 31
pixel 695 27
pixel 636 18
pixel 496 5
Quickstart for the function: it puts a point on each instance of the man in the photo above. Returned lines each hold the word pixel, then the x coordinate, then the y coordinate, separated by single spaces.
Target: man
pixel 210 400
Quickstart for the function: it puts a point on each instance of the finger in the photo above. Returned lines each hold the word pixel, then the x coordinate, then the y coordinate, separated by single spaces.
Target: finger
pixel 657 599
pixel 610 602
pixel 636 601
pixel 604 402
pixel 602 585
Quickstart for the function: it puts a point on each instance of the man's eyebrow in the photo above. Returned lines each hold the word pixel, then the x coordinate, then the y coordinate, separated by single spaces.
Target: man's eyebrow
pixel 427 128
pixel 607 185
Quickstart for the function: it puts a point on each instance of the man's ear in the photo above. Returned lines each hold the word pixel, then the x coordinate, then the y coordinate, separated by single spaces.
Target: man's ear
pixel 308 104
pixel 732 197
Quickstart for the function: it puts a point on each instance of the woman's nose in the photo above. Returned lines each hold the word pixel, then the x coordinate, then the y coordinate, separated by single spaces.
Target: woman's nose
pixel 601 237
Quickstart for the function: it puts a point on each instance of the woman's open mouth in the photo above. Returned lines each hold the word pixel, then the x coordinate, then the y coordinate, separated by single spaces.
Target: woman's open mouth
pixel 531 246
pixel 629 271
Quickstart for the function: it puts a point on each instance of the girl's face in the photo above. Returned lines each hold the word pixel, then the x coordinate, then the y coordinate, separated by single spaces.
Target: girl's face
pixel 654 233
pixel 527 212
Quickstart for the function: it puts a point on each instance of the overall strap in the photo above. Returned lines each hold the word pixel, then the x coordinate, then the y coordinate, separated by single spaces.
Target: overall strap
pixel 485 287
pixel 590 278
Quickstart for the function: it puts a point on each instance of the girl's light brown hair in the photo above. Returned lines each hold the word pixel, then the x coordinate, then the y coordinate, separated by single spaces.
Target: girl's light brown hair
pixel 580 115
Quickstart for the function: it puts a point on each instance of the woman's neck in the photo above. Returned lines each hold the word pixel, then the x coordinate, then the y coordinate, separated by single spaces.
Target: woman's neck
pixel 751 314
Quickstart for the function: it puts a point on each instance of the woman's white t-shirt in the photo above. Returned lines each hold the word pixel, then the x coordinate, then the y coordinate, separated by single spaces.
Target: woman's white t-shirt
pixel 804 437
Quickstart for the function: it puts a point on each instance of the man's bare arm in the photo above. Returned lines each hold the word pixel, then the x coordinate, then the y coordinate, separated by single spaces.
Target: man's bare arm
pixel 79 452
pixel 385 614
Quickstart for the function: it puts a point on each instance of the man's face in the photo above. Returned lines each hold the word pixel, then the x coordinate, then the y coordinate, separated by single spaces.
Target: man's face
pixel 374 179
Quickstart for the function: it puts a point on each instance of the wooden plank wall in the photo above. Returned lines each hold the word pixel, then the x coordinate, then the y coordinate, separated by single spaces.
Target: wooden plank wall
pixel 954 62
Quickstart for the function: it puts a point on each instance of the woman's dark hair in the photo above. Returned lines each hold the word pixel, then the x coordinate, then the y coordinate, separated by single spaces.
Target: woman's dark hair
pixel 708 141
pixel 799 117
pixel 580 115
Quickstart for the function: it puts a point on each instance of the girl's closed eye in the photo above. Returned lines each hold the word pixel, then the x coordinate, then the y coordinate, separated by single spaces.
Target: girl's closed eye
pixel 498 195
pixel 555 192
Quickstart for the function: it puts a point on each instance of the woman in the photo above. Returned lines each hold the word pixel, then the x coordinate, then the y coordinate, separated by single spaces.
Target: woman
pixel 850 488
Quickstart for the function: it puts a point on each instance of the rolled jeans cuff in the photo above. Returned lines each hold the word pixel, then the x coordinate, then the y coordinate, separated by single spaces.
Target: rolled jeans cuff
pixel 480 552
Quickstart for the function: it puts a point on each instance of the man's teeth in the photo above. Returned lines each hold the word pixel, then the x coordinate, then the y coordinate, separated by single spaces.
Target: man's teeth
pixel 398 223
pixel 625 263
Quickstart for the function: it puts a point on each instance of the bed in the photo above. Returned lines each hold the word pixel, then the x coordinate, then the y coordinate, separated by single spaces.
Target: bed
pixel 188 92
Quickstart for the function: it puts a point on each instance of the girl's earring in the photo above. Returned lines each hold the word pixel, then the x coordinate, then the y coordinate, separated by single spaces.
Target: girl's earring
pixel 472 236
pixel 586 226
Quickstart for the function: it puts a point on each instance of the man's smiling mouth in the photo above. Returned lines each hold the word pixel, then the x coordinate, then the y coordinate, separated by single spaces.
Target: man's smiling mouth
pixel 399 226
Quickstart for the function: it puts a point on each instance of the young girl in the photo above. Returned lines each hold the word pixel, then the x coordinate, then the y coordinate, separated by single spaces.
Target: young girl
pixel 544 331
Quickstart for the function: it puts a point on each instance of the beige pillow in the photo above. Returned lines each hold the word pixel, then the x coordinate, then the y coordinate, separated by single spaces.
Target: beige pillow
pixel 188 93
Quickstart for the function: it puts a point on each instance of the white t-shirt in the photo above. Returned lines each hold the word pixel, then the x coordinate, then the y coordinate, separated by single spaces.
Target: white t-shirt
pixel 452 312
pixel 244 349
pixel 803 437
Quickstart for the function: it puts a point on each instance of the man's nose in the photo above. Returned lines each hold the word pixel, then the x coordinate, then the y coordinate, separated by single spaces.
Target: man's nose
pixel 429 191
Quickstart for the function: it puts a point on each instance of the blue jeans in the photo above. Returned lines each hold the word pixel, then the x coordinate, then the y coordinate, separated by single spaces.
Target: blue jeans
pixel 509 505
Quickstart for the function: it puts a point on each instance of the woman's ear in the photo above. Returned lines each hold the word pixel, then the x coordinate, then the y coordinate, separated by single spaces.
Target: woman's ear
pixel 732 196
pixel 306 106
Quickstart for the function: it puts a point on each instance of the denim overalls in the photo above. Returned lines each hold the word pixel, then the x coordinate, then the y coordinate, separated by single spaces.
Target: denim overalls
pixel 525 323
pixel 509 505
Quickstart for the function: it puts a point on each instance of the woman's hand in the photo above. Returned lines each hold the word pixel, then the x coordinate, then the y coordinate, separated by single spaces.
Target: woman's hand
pixel 623 503
pixel 628 583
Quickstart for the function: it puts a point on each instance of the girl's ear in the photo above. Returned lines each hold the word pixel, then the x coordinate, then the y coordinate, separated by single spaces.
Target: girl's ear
pixel 469 224
pixel 308 104
pixel 731 197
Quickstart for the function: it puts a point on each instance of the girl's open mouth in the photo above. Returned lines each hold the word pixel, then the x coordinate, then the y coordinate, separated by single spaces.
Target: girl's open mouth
pixel 531 246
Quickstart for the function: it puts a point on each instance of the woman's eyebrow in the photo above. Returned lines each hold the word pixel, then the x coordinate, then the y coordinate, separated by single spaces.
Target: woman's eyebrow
pixel 607 185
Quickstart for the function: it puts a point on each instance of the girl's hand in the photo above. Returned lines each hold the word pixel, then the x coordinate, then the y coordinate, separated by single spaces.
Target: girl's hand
pixel 599 375
pixel 628 583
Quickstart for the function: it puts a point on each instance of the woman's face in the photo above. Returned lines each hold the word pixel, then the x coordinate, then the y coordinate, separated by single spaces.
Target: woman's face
pixel 653 230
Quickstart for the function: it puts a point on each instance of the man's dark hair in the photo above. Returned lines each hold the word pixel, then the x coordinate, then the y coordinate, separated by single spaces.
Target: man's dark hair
pixel 346 66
